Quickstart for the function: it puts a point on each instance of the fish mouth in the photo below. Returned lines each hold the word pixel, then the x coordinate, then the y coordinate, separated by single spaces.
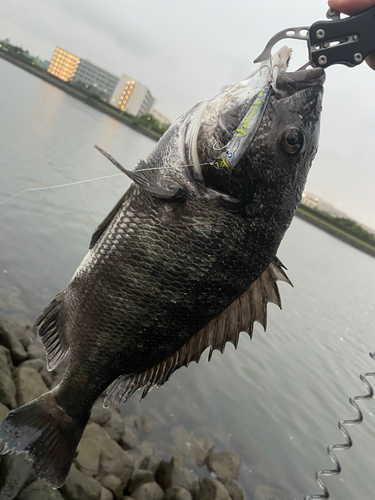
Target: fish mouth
pixel 289 83
pixel 286 83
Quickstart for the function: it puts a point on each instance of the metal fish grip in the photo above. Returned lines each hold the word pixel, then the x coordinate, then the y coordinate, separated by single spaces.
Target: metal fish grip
pixel 339 40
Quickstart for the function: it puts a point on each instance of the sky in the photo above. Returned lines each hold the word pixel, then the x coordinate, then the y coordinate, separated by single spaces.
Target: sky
pixel 185 51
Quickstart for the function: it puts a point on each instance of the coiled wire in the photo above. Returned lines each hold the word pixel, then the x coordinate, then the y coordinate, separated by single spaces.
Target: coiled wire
pixel 345 446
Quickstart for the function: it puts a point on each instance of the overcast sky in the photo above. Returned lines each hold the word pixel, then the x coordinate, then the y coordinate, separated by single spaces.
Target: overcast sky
pixel 184 51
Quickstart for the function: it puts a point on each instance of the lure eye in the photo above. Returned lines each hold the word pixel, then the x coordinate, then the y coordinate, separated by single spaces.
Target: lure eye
pixel 292 140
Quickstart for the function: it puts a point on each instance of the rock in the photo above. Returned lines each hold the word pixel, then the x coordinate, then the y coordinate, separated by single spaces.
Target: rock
pixel 130 420
pixel 11 342
pixel 79 486
pixel 115 426
pixel 149 463
pixel 40 490
pixel 106 494
pixel 195 447
pixel 148 491
pixel 224 464
pixel 234 489
pixel 174 473
pixel 200 448
pixel 22 329
pixel 138 478
pixel 114 460
pixel 36 350
pixel 177 493
pixel 129 439
pixel 264 492
pixel 4 410
pixel 40 366
pixel 143 424
pixel 14 474
pixel 114 484
pixel 127 498
pixel 87 458
pixel 146 448
pixel 29 385
pixel 7 385
pixel 95 432
pixel 88 451
pixel 99 415
pixel 211 489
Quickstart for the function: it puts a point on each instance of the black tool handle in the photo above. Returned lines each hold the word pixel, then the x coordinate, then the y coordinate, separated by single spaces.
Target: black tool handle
pixel 356 33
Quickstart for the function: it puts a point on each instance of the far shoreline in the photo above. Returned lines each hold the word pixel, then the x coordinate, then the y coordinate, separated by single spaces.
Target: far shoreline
pixel 73 91
pixel 318 220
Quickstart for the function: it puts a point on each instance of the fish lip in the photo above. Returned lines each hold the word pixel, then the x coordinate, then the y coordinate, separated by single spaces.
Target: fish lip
pixel 288 83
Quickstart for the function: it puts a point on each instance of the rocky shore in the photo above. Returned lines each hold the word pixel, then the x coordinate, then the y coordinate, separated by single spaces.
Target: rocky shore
pixel 114 460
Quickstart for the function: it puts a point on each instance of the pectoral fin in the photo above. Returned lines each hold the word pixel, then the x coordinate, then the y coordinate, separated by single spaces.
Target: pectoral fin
pixel 239 316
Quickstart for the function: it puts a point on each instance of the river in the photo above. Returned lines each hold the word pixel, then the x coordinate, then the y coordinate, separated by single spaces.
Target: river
pixel 277 399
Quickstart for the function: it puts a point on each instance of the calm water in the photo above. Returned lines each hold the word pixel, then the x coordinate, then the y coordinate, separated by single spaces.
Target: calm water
pixel 277 400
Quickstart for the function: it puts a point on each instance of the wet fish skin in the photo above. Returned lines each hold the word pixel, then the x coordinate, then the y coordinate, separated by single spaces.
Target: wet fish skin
pixel 182 245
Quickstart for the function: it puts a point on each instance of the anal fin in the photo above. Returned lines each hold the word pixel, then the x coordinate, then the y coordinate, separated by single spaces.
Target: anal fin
pixel 239 316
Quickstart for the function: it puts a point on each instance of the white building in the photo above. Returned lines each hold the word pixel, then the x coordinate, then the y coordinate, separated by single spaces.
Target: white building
pixel 132 96
pixel 95 79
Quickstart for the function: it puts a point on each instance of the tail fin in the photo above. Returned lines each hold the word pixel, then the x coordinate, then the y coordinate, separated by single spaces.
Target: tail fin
pixel 47 434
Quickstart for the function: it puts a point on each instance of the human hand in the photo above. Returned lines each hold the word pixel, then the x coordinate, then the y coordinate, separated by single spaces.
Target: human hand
pixel 352 7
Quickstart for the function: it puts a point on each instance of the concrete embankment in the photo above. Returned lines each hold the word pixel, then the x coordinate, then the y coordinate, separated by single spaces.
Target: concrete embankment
pixel 82 96
pixel 341 234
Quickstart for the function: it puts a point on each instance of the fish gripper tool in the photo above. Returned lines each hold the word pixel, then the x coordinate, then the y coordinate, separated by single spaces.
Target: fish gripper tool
pixel 345 41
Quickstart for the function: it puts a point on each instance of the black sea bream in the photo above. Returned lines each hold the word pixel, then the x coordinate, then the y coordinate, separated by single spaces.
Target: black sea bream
pixel 186 260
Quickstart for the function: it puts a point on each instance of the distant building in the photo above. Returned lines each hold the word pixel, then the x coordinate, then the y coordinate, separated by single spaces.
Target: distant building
pixel 63 64
pixel 313 201
pixel 162 119
pixel 124 93
pixel 95 79
pixel 132 96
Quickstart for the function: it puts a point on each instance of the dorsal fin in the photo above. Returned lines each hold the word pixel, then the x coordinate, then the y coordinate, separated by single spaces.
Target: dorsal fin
pixel 54 341
pixel 149 180
pixel 239 316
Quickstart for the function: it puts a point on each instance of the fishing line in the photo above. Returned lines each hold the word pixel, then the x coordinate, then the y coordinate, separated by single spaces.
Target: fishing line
pixel 344 446
pixel 58 186
pixel 88 180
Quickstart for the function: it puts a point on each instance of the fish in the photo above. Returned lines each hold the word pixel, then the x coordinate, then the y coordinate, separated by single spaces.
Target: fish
pixel 185 261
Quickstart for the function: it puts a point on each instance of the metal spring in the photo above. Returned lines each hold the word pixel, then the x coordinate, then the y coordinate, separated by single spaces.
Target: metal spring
pixel 335 447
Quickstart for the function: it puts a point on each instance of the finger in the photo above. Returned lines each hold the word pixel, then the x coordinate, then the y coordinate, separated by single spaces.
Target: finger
pixel 371 60
pixel 351 7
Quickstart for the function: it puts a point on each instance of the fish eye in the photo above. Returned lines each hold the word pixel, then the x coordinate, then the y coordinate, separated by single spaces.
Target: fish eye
pixel 292 140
